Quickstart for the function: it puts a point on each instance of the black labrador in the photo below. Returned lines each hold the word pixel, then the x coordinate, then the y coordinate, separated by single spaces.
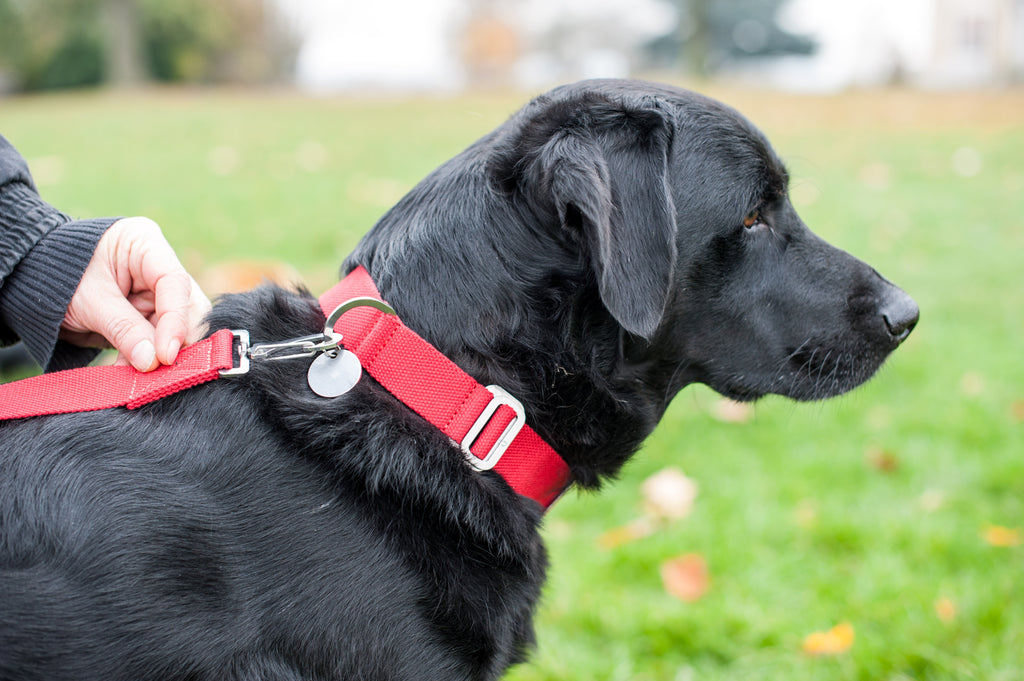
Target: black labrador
pixel 611 243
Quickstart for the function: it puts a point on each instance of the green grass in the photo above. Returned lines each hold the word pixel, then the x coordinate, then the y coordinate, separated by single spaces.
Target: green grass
pixel 799 530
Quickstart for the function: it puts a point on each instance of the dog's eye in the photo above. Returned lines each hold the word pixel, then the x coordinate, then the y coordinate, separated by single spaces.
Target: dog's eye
pixel 752 218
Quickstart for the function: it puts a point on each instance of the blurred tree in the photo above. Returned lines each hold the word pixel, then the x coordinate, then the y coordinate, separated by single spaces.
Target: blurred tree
pixel 125 65
pixel 711 33
pixel 38 50
pixel 47 44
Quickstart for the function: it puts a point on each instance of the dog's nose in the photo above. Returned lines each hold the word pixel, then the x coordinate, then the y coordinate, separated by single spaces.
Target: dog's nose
pixel 900 313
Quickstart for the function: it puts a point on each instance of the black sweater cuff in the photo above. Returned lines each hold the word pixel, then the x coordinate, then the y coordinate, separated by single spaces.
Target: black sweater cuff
pixel 36 294
pixel 24 220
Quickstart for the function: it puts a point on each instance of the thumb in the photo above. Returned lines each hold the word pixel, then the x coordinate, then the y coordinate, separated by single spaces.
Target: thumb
pixel 129 332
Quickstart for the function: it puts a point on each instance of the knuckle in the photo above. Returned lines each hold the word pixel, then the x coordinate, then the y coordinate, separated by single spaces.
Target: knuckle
pixel 119 331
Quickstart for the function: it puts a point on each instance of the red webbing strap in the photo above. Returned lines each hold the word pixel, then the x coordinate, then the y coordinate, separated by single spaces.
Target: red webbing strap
pixel 438 390
pixel 103 387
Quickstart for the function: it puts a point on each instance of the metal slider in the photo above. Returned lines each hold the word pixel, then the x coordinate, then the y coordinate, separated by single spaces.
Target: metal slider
pixel 499 398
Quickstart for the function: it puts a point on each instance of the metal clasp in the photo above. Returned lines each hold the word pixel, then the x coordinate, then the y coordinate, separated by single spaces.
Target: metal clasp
pixel 240 341
pixel 297 347
pixel 500 397
pixel 327 342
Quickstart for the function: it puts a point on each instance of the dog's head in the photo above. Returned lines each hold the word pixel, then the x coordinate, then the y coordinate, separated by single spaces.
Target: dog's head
pixel 681 206
pixel 625 239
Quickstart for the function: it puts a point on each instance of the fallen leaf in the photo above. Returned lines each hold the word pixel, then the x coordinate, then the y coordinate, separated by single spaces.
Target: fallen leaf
pixel 882 460
pixel 972 384
pixel 876 175
pixel 686 577
pixel 931 500
pixel 996 535
pixel 669 495
pixel 224 160
pixel 232 276
pixel 945 610
pixel 311 156
pixel 967 162
pixel 731 411
pixel 806 514
pixel 835 641
pixel 1017 411
pixel 638 529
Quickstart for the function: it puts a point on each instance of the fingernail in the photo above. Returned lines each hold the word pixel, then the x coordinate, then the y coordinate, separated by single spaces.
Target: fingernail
pixel 173 348
pixel 144 356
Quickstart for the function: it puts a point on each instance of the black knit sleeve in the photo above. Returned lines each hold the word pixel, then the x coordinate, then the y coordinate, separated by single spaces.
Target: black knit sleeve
pixel 43 254
pixel 36 295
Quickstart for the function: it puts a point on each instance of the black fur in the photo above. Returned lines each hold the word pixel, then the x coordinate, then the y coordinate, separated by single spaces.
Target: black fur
pixel 589 255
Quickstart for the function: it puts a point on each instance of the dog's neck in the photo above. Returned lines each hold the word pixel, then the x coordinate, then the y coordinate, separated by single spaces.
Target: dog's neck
pixel 524 313
pixel 562 358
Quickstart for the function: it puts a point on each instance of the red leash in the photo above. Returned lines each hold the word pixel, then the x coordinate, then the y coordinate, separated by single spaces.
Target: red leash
pixel 103 387
pixel 485 421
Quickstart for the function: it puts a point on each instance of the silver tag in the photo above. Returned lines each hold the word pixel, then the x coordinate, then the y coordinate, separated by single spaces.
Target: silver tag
pixel 333 376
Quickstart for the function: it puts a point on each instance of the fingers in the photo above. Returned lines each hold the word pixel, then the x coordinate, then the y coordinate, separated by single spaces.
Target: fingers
pixel 153 268
pixel 128 332
pixel 179 304
pixel 137 295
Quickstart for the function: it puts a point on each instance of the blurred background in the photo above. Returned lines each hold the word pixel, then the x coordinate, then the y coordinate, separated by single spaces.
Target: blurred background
pixel 875 537
pixel 447 45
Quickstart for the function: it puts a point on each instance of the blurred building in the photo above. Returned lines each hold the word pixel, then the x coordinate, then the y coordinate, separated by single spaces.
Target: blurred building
pixel 449 44
pixel 446 44
pixel 922 43
pixel 976 42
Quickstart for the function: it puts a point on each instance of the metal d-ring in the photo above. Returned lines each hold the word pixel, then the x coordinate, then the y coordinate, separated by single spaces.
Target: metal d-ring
pixel 351 304
pixel 326 343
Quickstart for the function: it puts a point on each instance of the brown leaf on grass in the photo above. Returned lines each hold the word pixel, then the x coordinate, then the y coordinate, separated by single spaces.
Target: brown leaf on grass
pixel 996 535
pixel 731 411
pixel 931 500
pixel 669 495
pixel 882 460
pixel 638 529
pixel 232 276
pixel 686 577
pixel 972 384
pixel 835 641
pixel 1017 411
pixel 945 610
pixel 806 514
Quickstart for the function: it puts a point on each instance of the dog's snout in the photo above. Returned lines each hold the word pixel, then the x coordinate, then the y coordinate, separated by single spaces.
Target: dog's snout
pixel 900 313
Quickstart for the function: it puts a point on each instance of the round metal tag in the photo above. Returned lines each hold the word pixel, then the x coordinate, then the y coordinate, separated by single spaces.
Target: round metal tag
pixel 333 376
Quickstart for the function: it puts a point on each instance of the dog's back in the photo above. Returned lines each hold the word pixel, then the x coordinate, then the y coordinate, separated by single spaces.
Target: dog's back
pixel 213 535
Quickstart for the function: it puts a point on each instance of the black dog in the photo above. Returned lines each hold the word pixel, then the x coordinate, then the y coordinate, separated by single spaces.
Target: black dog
pixel 611 243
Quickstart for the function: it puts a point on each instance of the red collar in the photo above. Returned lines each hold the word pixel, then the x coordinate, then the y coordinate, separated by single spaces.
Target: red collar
pixel 485 421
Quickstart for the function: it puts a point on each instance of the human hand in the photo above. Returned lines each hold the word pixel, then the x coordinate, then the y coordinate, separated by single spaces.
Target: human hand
pixel 135 296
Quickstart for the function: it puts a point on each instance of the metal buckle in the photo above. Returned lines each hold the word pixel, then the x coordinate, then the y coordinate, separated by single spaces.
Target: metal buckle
pixel 500 397
pixel 241 336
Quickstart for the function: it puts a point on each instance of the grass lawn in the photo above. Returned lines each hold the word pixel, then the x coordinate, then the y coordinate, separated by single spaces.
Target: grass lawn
pixel 898 509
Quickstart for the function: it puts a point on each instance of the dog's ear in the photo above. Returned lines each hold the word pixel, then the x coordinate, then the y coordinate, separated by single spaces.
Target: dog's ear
pixel 607 174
